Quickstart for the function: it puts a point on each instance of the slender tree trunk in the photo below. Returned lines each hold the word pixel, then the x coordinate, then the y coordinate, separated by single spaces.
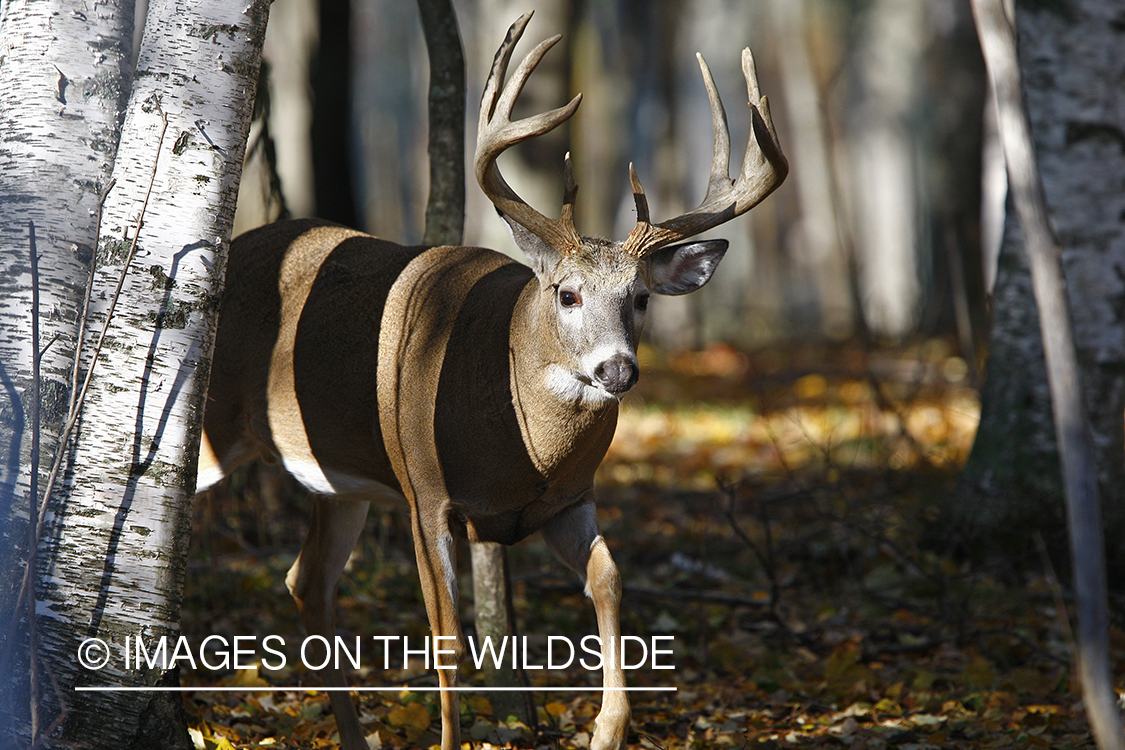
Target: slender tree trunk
pixel 64 77
pixel 445 209
pixel 815 246
pixel 117 533
pixel 331 119
pixel 884 156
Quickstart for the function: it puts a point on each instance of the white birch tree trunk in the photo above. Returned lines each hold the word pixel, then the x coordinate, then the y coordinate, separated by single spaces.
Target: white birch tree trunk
pixel 117 533
pixel 65 68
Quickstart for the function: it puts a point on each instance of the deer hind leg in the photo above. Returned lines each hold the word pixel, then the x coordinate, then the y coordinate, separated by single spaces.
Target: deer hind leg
pixel 333 532
pixel 573 537
pixel 437 571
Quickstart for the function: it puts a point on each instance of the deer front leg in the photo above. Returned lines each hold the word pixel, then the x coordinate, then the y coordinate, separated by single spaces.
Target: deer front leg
pixel 573 536
pixel 335 528
pixel 434 549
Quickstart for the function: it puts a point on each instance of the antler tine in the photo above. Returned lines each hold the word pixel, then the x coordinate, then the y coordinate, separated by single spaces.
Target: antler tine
pixel 570 192
pixel 763 170
pixel 499 69
pixel 720 158
pixel 638 196
pixel 496 133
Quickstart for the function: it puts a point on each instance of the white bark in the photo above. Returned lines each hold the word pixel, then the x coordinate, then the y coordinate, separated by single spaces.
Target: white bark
pixel 994 191
pixel 64 68
pixel 114 565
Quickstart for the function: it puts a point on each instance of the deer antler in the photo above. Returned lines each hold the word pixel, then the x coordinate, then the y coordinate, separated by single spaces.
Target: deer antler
pixel 763 170
pixel 497 132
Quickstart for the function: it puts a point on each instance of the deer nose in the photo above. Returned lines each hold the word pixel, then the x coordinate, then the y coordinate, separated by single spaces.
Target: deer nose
pixel 617 374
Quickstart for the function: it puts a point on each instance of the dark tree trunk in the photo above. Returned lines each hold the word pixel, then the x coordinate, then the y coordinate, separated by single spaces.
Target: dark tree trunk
pixel 331 121
pixel 1011 483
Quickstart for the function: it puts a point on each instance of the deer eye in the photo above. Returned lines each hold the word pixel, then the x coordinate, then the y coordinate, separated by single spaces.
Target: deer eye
pixel 569 298
pixel 641 302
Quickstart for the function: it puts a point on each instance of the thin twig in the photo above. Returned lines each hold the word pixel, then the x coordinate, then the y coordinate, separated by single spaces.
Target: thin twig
pixel 82 322
pixel 43 351
pixel 74 404
pixel 872 652
pixel 60 717
pixel 651 740
pixel 885 404
pixel 766 557
pixel 33 486
pixel 678 594
pixel 1057 596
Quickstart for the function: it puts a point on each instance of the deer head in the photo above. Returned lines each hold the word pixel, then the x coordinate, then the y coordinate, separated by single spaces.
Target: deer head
pixel 593 291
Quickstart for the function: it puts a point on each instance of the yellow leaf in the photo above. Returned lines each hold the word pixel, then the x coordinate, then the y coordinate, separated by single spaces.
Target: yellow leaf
pixel 888 706
pixel 245 678
pixel 412 717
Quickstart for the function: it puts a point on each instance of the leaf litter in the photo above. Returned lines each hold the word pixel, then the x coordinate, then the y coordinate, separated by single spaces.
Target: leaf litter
pixel 768 512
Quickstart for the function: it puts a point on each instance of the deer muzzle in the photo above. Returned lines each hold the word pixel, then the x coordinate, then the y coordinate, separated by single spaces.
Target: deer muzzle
pixel 617 374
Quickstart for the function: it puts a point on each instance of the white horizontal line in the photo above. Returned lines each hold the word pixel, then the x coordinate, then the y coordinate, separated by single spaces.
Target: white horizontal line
pixel 283 689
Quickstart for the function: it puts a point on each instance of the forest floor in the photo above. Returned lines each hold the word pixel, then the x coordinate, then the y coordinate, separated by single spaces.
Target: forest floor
pixel 773 517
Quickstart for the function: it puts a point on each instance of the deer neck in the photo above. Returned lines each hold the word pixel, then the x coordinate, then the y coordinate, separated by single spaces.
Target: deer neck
pixel 562 431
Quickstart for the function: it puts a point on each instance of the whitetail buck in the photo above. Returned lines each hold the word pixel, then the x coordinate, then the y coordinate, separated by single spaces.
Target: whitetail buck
pixel 483 391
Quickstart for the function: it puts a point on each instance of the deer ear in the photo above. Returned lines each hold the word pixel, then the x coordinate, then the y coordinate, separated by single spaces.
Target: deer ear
pixel 683 268
pixel 541 256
